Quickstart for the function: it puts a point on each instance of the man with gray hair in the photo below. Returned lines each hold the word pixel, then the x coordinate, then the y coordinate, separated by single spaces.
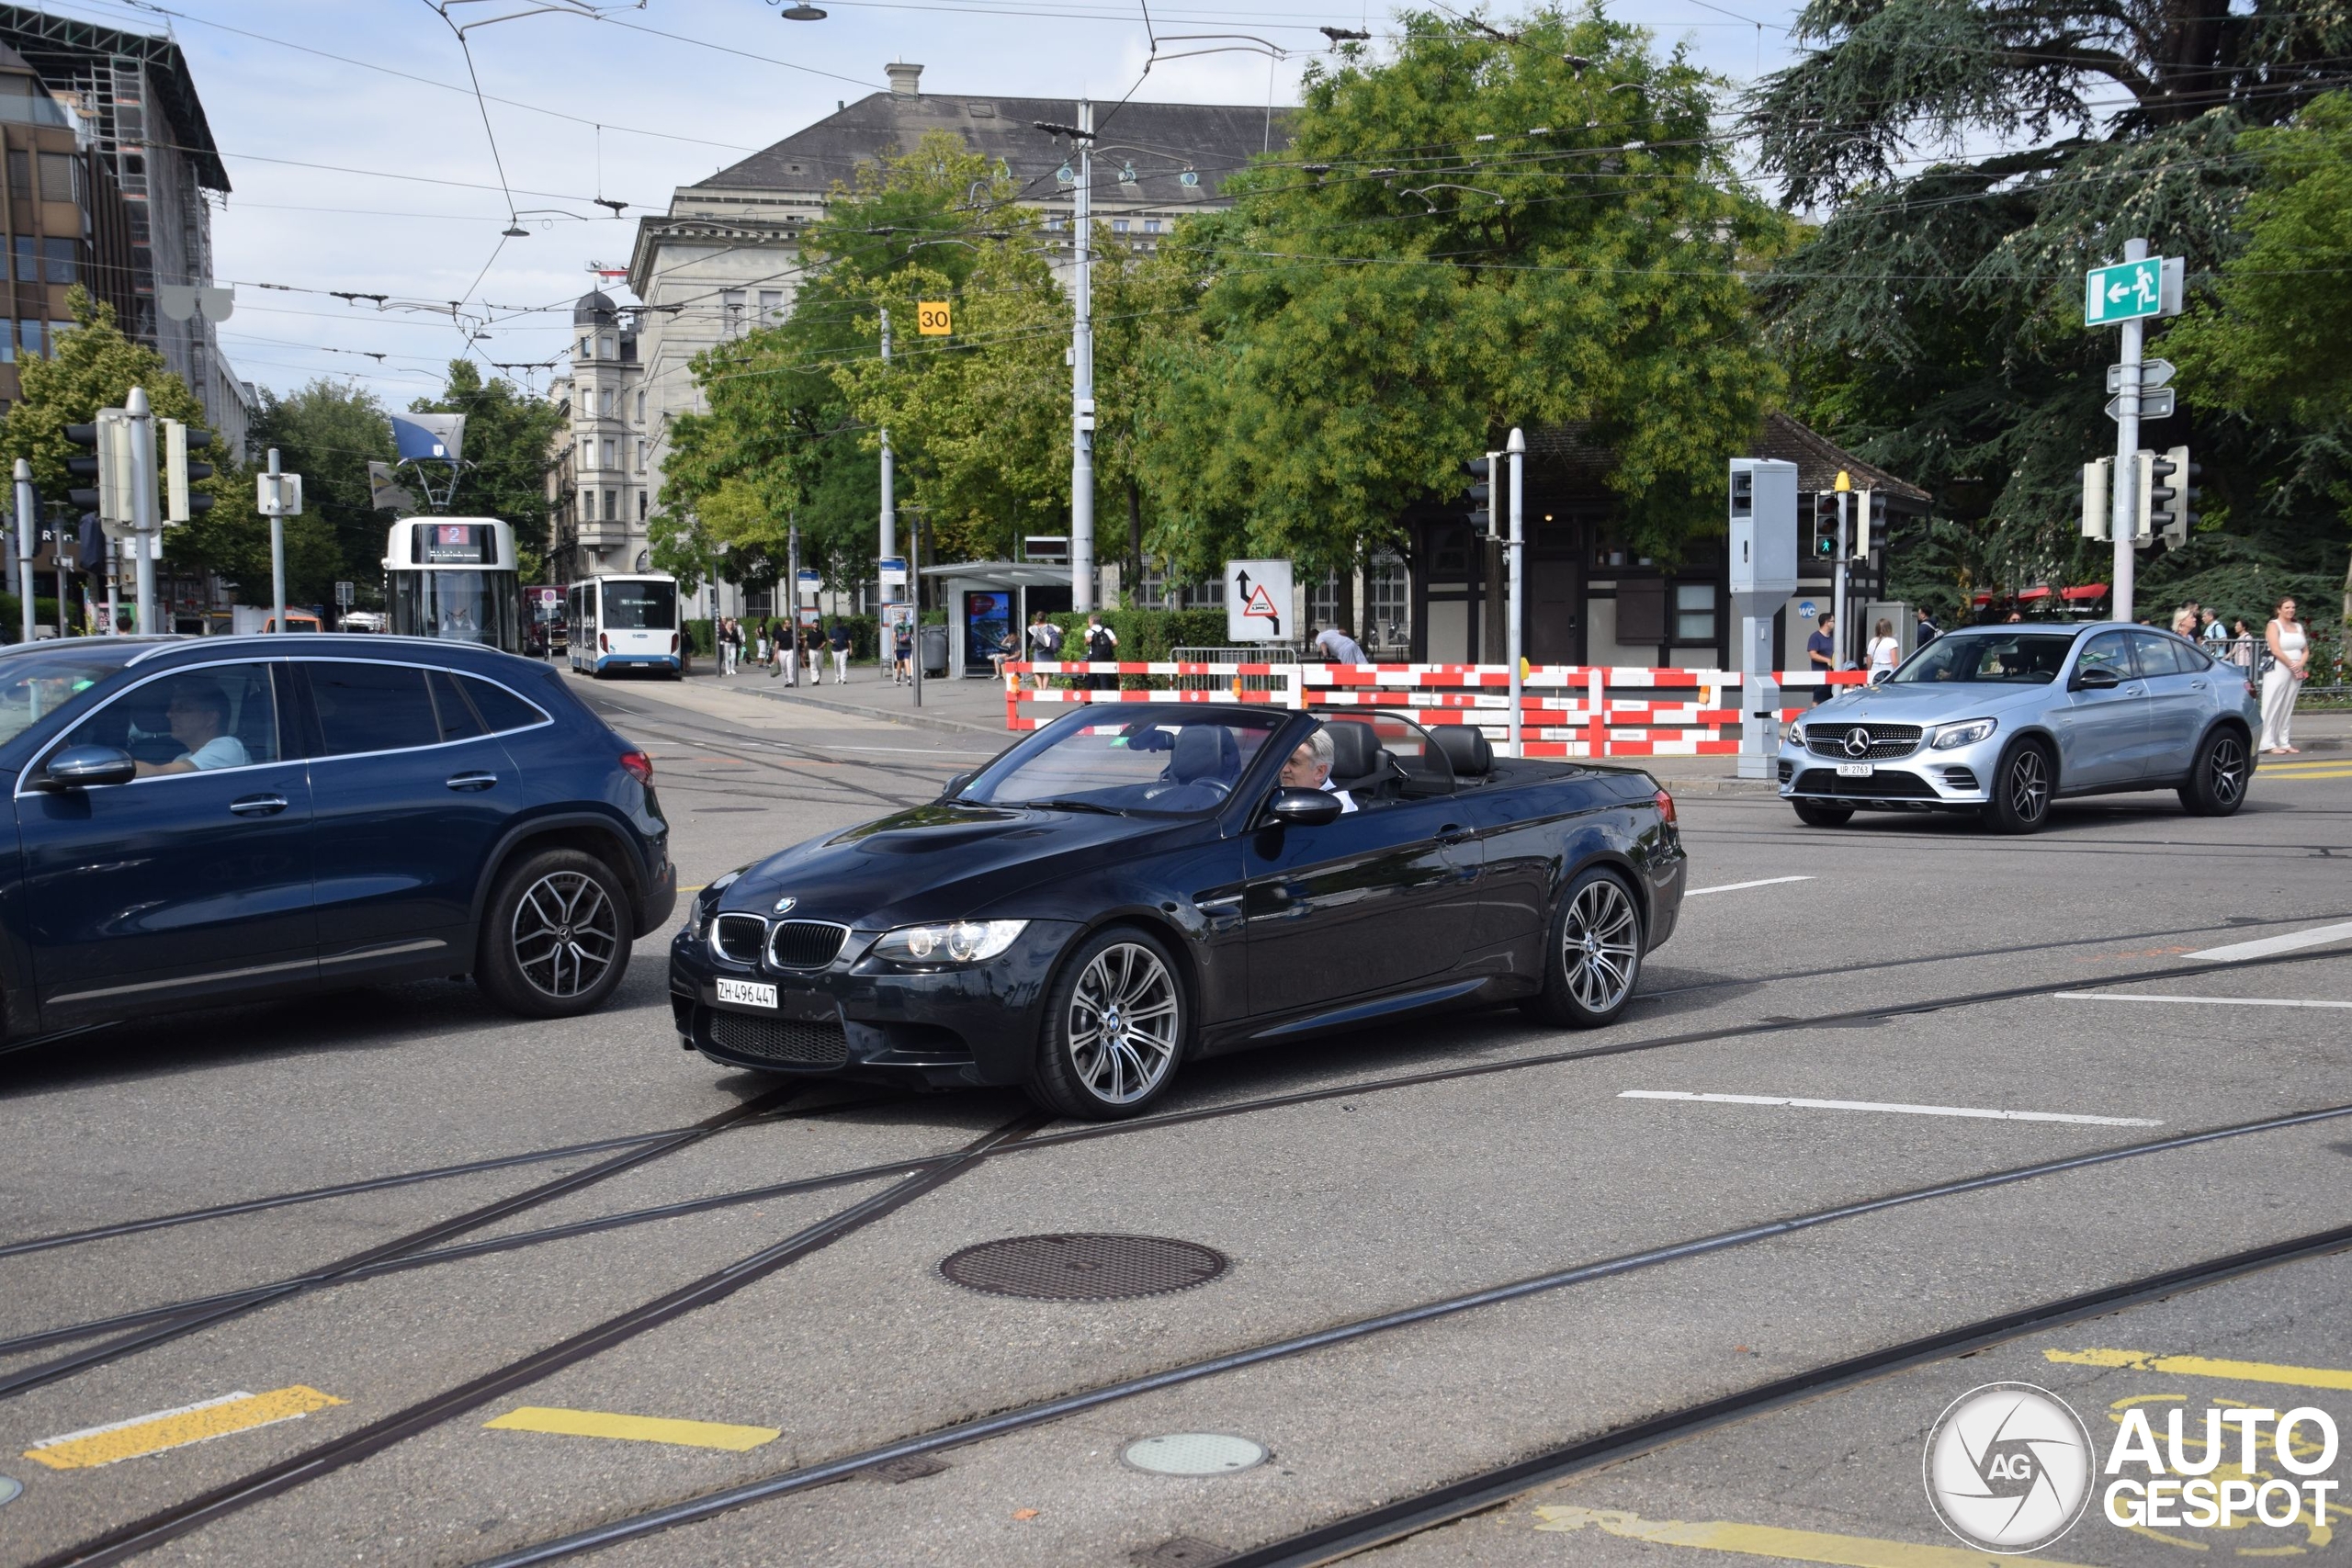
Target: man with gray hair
pixel 1310 768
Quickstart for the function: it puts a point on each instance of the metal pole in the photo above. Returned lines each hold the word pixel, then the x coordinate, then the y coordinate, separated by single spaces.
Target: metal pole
pixel 1081 382
pixel 1517 448
pixel 792 589
pixel 24 524
pixel 114 586
pixel 1837 595
pixel 145 526
pixel 276 553
pixel 914 597
pixel 2124 521
pixel 890 498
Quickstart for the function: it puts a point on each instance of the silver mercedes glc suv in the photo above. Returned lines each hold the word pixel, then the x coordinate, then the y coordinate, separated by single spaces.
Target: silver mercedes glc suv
pixel 2002 720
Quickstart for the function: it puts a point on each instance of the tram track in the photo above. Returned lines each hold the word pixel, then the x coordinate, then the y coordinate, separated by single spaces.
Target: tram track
pixel 172 1320
pixel 1656 1429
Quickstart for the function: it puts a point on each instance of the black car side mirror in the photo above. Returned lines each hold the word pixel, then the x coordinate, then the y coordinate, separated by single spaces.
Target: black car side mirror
pixel 955 786
pixel 78 767
pixel 1303 807
pixel 2099 678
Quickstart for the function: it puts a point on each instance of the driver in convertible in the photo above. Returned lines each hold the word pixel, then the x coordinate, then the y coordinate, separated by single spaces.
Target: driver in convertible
pixel 1310 768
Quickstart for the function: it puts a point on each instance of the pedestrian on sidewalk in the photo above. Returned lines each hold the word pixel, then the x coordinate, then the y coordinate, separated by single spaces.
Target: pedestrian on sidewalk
pixel 839 637
pixel 902 654
pixel 2282 680
pixel 2213 634
pixel 1339 647
pixel 1821 653
pixel 1884 651
pixel 812 653
pixel 2241 645
pixel 1044 644
pixel 759 645
pixel 1924 633
pixel 775 648
pixel 2184 620
pixel 1101 648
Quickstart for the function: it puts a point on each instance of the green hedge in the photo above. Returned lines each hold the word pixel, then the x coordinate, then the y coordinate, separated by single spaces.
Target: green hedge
pixel 12 613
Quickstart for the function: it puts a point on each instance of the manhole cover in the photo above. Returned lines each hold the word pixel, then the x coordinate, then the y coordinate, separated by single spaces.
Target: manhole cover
pixel 1084 1268
pixel 1194 1453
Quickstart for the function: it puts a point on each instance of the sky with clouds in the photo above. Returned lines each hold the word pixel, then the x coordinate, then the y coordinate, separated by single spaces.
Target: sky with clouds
pixel 360 159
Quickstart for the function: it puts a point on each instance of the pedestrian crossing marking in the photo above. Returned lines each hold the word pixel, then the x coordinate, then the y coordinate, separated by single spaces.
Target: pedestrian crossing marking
pixel 634 1428
pixel 164 1429
pixel 2206 1367
pixel 1769 1540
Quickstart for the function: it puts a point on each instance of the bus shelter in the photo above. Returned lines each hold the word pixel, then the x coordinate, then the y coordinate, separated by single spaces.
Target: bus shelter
pixel 984 599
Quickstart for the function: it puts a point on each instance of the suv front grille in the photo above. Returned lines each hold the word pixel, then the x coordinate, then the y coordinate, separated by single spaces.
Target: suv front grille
pixel 738 937
pixel 803 1044
pixel 805 944
pixel 1878 787
pixel 1887 741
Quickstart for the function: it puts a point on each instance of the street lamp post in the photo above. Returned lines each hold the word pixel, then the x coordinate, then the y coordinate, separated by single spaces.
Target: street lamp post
pixel 1081 436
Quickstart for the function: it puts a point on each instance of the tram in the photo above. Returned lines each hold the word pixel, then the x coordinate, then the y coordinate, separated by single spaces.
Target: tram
pixel 455 578
pixel 627 623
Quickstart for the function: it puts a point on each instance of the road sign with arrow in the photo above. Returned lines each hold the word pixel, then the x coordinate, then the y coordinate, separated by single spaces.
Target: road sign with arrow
pixel 1256 600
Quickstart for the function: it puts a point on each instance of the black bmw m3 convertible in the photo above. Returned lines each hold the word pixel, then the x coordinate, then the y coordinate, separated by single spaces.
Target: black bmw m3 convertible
pixel 1135 886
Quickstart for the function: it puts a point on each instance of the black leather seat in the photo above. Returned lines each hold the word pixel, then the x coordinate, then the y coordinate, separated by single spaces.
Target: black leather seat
pixel 1204 753
pixel 1359 764
pixel 1466 747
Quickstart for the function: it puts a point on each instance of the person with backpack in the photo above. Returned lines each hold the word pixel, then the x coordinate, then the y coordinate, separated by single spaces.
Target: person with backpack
pixel 902 653
pixel 1101 648
pixel 1044 644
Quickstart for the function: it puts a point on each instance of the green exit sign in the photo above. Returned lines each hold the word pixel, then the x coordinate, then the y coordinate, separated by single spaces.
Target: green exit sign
pixel 2126 292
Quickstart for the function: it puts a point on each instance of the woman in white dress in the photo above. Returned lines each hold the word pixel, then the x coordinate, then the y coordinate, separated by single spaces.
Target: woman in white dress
pixel 2289 653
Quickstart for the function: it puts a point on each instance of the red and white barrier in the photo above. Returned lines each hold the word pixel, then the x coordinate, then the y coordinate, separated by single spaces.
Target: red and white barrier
pixel 1566 710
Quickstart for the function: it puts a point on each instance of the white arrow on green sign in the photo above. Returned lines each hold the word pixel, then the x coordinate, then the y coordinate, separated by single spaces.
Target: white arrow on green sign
pixel 2125 292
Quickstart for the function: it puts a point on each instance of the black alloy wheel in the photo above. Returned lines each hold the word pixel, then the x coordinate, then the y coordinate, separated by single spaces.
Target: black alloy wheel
pixel 1592 957
pixel 556 940
pixel 1114 1028
pixel 1814 815
pixel 2022 785
pixel 2217 780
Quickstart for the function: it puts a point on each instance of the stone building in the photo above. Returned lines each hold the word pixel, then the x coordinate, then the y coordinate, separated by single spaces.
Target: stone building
pixel 598 491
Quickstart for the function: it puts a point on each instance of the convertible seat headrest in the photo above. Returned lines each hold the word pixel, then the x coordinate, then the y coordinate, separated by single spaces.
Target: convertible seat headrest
pixel 1203 751
pixel 1355 750
pixel 1465 748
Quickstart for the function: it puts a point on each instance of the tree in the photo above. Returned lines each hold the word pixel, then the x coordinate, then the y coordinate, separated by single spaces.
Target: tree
pixel 1493 228
pixel 327 431
pixel 1932 321
pixel 508 437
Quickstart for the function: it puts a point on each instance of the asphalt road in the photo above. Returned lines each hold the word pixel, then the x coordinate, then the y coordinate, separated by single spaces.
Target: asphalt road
pixel 1450 1246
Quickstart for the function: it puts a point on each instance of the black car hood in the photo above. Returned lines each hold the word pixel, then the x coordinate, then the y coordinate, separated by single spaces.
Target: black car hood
pixel 942 861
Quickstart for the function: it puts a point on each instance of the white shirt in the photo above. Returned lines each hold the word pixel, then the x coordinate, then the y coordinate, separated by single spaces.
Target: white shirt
pixel 1884 651
pixel 1347 801
pixel 220 751
pixel 1339 647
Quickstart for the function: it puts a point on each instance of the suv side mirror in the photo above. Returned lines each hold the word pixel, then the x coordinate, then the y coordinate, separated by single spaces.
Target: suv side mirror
pixel 78 767
pixel 1303 807
pixel 2100 679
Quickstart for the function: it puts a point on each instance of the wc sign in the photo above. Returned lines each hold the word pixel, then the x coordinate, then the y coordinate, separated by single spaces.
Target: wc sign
pixel 1257 601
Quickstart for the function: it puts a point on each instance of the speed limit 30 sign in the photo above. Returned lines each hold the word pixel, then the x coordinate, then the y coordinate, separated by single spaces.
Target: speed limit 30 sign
pixel 932 318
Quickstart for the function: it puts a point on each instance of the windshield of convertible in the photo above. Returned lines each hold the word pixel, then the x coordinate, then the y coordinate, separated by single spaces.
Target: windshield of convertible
pixel 1998 659
pixel 1163 763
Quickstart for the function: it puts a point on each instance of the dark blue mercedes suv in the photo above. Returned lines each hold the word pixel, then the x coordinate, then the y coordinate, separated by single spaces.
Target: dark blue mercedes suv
pixel 213 819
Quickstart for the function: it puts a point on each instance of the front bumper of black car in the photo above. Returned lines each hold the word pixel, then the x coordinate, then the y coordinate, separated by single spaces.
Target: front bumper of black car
pixel 860 1018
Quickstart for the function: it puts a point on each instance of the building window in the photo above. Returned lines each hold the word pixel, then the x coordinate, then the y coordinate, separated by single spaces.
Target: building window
pixel 20 173
pixel 587 351
pixel 640 506
pixel 57 261
pixel 640 408
pixel 56 176
pixel 28 259
pixel 588 506
pixel 1054 223
pixel 1118 225
pixel 612 505
pixel 1151 225
pixel 8 343
pixel 641 457
pixel 608 462
pixel 1694 612
pixel 1387 622
pixel 771 306
pixel 607 346
pixel 605 402
pixel 29 340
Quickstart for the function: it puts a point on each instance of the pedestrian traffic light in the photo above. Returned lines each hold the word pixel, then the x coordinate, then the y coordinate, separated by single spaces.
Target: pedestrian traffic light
pixel 2099 480
pixel 108 440
pixel 1482 472
pixel 1825 525
pixel 179 504
pixel 2170 507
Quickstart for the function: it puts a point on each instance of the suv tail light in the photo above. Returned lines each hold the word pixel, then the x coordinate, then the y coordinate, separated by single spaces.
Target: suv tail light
pixel 1666 808
pixel 638 765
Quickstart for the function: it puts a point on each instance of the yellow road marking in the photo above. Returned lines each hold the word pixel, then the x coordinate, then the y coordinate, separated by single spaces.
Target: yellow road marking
pixel 2205 1367
pixel 1767 1540
pixel 2341 770
pixel 239 1412
pixel 634 1428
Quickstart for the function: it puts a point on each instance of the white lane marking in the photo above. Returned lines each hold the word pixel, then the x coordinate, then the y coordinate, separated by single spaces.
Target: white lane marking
pixel 2239 953
pixel 1978 1113
pixel 2208 1001
pixel 1737 886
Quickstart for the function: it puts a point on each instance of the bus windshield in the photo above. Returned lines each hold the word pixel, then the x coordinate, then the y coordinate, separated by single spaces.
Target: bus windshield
pixel 640 606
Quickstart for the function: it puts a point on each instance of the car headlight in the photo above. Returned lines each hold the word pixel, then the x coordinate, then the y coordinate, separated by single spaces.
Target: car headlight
pixel 956 942
pixel 1968 732
pixel 1796 732
pixel 705 903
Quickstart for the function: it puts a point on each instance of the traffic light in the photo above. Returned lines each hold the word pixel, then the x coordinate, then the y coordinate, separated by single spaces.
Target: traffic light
pixel 2099 504
pixel 2172 493
pixel 1869 522
pixel 1482 472
pixel 108 439
pixel 1825 525
pixel 180 505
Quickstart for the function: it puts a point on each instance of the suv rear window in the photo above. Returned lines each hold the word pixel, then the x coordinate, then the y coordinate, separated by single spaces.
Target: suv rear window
pixel 371 708
pixel 500 708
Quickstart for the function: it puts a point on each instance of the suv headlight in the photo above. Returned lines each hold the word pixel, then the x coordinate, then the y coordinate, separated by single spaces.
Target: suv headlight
pixel 1968 732
pixel 956 942
pixel 1796 736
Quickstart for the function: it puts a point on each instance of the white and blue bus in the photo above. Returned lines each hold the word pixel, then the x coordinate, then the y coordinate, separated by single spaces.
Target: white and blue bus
pixel 455 578
pixel 627 623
